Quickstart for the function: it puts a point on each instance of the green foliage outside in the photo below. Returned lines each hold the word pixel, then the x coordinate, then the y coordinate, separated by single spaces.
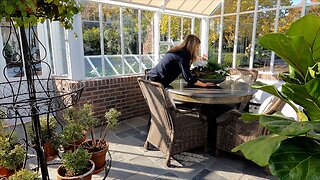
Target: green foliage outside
pixel 25 174
pixel 76 163
pixel 227 58
pixel 292 150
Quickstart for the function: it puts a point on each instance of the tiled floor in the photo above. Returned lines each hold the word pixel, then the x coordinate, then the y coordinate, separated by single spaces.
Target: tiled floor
pixel 130 161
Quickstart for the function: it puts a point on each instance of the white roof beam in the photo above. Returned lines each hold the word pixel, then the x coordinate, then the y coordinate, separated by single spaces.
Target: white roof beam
pixel 150 8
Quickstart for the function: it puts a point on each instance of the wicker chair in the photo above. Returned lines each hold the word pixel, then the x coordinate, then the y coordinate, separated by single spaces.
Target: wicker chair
pixel 232 131
pixel 243 75
pixel 172 130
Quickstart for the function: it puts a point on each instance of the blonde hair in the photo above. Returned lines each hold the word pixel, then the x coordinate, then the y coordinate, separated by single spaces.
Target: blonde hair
pixel 189 43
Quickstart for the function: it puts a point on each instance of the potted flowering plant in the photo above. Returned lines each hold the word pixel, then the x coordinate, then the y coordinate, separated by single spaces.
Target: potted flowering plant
pixel 211 72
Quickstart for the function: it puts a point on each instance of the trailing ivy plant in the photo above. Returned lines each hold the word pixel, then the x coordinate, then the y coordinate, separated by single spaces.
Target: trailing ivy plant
pixel 292 150
pixel 30 12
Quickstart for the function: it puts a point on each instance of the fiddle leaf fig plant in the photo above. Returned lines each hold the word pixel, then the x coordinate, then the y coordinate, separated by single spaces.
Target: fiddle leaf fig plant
pixel 292 150
pixel 29 12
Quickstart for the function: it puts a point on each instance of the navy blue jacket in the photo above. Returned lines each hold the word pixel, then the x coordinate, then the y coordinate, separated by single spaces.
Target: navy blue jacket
pixel 171 66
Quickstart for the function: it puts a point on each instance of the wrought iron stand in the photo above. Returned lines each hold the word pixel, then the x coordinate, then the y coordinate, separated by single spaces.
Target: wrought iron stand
pixel 31 96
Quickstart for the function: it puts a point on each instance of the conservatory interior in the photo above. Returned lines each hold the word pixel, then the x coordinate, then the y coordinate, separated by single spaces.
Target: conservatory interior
pixel 94 75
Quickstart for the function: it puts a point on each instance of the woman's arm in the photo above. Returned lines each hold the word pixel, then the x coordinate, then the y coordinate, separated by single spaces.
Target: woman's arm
pixel 202 84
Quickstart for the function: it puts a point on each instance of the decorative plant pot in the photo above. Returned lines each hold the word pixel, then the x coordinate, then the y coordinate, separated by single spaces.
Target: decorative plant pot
pixel 86 176
pixel 98 157
pixel 4 172
pixel 49 151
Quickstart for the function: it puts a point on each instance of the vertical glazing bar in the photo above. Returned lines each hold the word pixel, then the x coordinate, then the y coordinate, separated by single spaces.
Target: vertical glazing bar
pixel 2 60
pixel 181 29
pixel 156 36
pixel 254 31
pixel 103 68
pixel 139 40
pixel 204 35
pixel 235 45
pixel 193 20
pixel 169 31
pixel 221 33
pixel 276 23
pixel 122 40
pixel 303 9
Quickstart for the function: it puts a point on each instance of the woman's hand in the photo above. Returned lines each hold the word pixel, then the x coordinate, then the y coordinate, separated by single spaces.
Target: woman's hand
pixel 202 84
pixel 204 57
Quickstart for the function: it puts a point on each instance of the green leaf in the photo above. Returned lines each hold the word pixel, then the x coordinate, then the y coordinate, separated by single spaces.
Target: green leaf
pixel 311 34
pixel 260 149
pixel 284 126
pixel 306 96
pixel 274 91
pixel 247 117
pixel 290 79
pixel 296 158
pixel 268 88
pixel 8 9
pixel 313 72
pixel 293 50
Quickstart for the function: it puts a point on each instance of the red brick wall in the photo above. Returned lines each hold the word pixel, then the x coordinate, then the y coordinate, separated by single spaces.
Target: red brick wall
pixel 122 93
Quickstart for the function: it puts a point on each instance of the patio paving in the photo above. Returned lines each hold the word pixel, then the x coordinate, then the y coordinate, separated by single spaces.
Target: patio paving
pixel 130 161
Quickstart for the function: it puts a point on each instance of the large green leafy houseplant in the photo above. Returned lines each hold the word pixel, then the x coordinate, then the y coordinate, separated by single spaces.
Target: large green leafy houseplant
pixel 292 150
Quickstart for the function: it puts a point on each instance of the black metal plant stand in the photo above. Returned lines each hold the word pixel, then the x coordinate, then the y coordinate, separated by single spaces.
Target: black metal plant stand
pixel 31 96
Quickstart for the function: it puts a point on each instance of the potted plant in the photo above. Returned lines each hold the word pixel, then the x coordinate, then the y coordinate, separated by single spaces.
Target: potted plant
pixel 98 146
pixel 71 136
pixel 75 165
pixel 77 125
pixel 211 72
pixel 25 174
pixel 292 150
pixel 49 136
pixel 12 155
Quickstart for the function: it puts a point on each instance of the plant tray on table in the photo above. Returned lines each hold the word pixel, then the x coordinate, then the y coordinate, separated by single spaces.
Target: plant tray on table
pixel 211 72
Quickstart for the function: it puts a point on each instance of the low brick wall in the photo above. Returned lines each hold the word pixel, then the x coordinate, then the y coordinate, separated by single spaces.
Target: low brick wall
pixel 122 93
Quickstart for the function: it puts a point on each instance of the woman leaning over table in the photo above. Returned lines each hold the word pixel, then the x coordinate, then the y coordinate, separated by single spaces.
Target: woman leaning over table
pixel 176 61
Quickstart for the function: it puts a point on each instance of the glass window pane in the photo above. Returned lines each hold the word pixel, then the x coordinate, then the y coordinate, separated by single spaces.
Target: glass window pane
pixel 214 26
pixel 315 10
pixel 247 5
pixel 229 23
pixel 147 39
pixel 112 39
pixel 131 45
pixel 244 40
pixel 90 28
pixel 265 25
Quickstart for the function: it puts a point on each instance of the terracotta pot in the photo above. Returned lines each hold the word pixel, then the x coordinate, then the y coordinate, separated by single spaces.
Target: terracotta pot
pixel 98 157
pixel 49 151
pixel 86 176
pixel 4 172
